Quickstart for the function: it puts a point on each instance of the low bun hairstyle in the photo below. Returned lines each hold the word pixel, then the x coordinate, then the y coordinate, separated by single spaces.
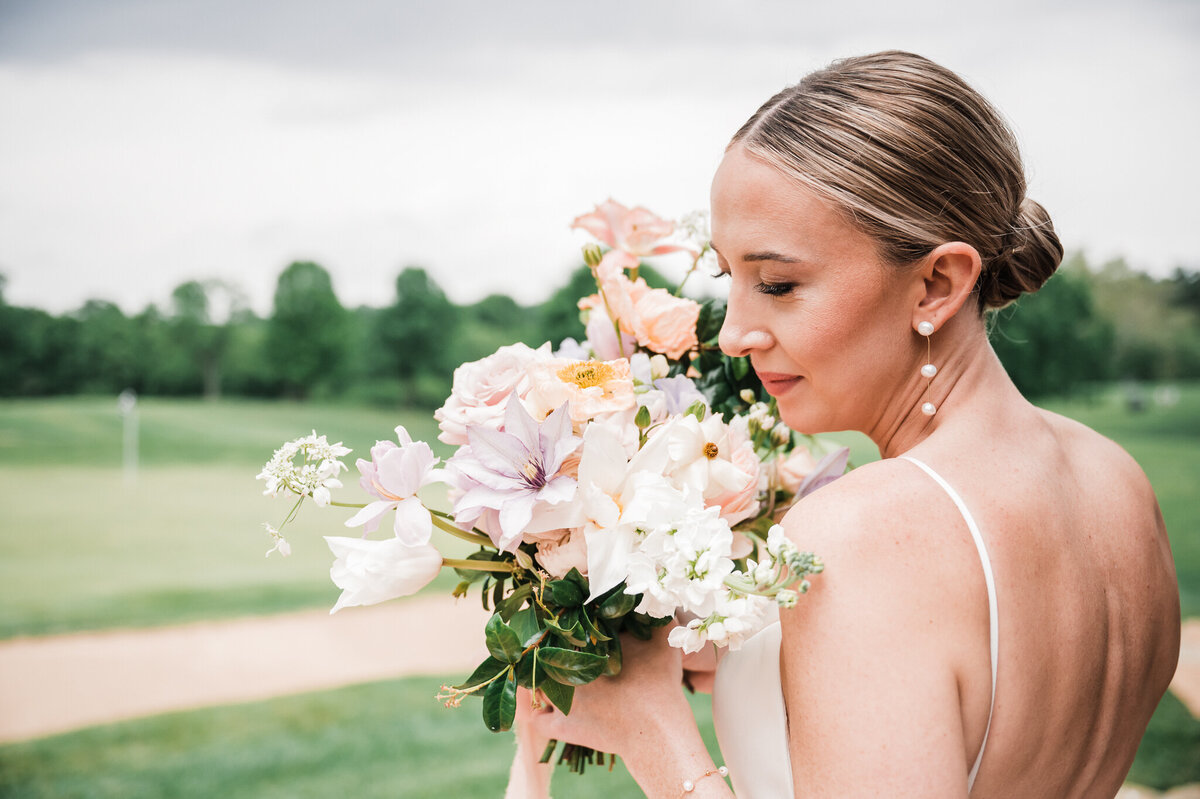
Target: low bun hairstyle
pixel 915 158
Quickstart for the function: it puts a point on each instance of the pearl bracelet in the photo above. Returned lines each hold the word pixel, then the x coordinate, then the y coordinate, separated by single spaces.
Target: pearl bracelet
pixel 690 785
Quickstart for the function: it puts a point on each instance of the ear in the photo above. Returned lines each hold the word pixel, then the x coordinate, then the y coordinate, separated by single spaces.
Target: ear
pixel 949 274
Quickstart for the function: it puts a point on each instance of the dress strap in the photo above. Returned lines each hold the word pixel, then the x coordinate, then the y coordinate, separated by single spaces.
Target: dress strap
pixel 993 617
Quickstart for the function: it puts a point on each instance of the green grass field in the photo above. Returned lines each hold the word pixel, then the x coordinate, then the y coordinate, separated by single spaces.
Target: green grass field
pixel 390 739
pixel 80 549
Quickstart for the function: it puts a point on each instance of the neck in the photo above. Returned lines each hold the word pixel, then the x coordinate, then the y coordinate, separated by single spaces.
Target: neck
pixel 969 375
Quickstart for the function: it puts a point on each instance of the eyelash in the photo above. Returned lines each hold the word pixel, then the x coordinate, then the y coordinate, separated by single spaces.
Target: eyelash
pixel 775 289
pixel 770 289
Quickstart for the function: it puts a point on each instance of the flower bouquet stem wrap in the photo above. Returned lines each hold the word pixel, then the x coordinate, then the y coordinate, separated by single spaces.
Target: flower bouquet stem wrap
pixel 605 488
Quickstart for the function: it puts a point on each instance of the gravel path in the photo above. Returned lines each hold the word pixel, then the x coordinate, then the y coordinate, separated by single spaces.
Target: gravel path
pixel 64 682
pixel 59 683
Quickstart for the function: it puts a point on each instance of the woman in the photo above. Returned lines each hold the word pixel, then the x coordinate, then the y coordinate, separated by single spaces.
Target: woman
pixel 999 613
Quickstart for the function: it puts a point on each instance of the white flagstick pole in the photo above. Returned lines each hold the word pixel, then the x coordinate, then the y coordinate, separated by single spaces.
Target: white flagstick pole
pixel 127 404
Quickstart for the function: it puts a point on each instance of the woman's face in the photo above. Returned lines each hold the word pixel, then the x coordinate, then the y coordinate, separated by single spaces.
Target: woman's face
pixel 827 324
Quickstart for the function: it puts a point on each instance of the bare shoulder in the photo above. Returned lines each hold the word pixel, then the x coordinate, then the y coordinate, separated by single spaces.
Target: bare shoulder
pixel 887 540
pixel 868 655
pixel 1107 463
pixel 876 510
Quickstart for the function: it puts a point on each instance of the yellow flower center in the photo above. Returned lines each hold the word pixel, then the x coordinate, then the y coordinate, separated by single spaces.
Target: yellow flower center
pixel 710 450
pixel 586 374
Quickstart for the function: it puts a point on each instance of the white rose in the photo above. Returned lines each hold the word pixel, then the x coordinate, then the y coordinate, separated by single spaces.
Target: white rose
pixel 482 388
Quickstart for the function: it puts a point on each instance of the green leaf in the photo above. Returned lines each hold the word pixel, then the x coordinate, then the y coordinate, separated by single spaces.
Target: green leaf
pixel 566 593
pixel 570 629
pixel 579 580
pixel 617 605
pixel 507 606
pixel 527 626
pixel 501 640
pixel 570 667
pixel 613 667
pixel 739 367
pixel 500 703
pixel 484 672
pixel 593 631
pixel 559 695
pixel 712 316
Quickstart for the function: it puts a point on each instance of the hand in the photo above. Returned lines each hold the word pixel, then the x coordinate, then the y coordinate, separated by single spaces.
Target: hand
pixel 619 714
pixel 528 779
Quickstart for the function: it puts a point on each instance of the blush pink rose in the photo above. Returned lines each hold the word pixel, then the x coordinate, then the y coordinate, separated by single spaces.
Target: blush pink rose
pixel 665 323
pixel 740 503
pixel 560 556
pixel 481 389
pixel 792 471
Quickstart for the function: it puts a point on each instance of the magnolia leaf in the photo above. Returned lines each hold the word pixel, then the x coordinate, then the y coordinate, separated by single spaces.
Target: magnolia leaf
pixel 569 629
pixel 617 605
pixel 559 695
pixel 613 667
pixel 502 641
pixel 500 703
pixel 527 626
pixel 570 667
pixel 592 630
pixel 566 593
pixel 708 323
pixel 509 605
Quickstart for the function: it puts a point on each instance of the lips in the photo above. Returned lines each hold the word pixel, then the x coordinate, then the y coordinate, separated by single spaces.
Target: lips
pixel 777 383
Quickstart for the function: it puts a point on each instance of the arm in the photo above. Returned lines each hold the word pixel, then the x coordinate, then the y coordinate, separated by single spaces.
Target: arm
pixel 642 716
pixel 868 655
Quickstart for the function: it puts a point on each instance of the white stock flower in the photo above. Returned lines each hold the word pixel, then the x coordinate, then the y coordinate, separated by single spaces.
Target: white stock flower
pixel 370 571
pixel 315 473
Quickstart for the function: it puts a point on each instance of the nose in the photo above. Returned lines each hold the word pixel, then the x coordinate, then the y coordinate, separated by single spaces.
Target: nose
pixel 741 333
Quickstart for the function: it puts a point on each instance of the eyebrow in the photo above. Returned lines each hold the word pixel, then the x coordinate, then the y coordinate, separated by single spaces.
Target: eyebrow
pixel 765 255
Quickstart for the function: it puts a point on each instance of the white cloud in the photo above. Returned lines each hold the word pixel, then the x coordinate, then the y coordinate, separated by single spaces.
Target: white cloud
pixel 125 171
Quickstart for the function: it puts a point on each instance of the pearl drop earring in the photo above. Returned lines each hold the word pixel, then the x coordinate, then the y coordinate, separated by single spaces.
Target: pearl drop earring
pixel 928 370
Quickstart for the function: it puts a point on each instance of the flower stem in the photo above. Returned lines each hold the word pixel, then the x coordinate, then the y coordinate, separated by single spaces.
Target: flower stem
pixel 439 519
pixel 479 565
pixel 347 504
pixel 695 263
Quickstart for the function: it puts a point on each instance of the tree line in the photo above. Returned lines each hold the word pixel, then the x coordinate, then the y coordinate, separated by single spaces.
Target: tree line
pixel 1088 324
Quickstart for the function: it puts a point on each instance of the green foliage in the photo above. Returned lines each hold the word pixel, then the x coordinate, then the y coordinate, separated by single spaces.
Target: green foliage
pixel 1053 341
pixel 416 332
pixel 1169 754
pixel 304 341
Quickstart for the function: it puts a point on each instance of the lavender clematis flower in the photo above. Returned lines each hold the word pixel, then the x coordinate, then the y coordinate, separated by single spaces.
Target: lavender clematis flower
pixel 514 472
pixel 831 467
pixel 680 392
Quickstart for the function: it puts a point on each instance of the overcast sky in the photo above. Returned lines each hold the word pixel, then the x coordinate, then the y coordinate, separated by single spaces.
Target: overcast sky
pixel 144 143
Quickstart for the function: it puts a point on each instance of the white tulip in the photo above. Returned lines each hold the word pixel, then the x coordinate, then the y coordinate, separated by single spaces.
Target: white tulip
pixel 370 571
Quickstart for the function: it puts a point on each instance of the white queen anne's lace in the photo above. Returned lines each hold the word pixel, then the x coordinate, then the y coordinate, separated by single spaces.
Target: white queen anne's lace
pixel 307 466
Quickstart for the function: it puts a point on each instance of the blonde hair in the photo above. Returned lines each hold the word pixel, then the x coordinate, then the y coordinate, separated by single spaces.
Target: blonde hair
pixel 915 157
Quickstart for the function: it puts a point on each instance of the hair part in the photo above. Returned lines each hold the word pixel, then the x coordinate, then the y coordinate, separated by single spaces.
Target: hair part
pixel 915 158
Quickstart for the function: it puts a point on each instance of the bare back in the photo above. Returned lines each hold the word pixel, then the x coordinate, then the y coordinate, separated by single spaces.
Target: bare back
pixel 1089 608
pixel 1087 595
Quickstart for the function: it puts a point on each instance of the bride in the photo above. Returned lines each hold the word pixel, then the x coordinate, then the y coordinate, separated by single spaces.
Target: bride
pixel 999 613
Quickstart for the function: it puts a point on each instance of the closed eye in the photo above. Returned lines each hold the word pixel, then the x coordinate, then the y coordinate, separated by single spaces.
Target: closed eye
pixel 774 289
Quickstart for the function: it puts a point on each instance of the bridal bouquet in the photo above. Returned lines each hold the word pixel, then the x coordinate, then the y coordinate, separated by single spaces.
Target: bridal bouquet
pixel 610 485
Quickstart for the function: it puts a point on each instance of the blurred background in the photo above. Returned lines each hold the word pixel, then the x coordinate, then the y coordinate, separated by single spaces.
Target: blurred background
pixel 258 218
